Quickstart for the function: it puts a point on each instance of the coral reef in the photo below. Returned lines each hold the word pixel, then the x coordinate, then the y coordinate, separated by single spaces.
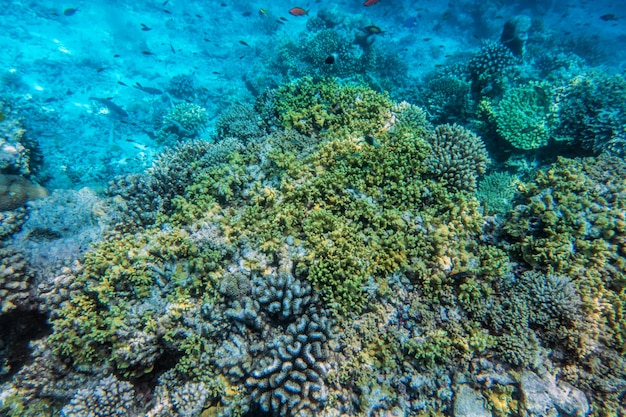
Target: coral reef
pixel 15 277
pixel 592 112
pixel 337 261
pixel 110 397
pixel 183 122
pixel 19 154
pixel 458 157
pixel 16 190
pixel 182 87
pixel 525 116
pixel 496 191
pixel 239 121
pixel 489 68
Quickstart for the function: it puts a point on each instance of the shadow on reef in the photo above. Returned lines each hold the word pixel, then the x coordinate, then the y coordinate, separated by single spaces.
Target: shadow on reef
pixel 17 329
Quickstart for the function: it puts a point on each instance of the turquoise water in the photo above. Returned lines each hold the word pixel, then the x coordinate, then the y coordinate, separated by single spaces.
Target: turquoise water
pixel 316 209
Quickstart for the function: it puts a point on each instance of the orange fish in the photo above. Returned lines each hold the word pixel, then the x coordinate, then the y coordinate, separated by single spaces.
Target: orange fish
pixel 370 2
pixel 298 11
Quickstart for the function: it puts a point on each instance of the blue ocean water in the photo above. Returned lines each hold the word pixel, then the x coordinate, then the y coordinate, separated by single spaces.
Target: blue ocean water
pixel 368 208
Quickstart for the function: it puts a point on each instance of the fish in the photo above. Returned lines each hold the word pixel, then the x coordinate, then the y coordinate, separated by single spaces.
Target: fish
pixel 70 11
pixel 122 83
pixel 16 190
pixel 608 17
pixel 244 43
pixel 147 53
pixel 247 13
pixel 372 30
pixel 116 56
pixel 149 90
pixel 115 110
pixel 262 12
pixel 280 22
pixel 145 28
pixel 370 2
pixel 166 11
pixel 298 11
pixel 410 23
pixel 284 19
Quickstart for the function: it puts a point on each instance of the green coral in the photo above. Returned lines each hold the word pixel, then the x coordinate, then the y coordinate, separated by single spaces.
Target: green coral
pixel 525 116
pixel 496 191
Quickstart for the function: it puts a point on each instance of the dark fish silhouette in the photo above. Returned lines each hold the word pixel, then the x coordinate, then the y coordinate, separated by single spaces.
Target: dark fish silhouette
pixel 608 17
pixel 149 90
pixel 71 11
pixel 115 110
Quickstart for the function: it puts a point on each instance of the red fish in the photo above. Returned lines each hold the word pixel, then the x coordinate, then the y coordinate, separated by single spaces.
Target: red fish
pixel 298 11
pixel 370 2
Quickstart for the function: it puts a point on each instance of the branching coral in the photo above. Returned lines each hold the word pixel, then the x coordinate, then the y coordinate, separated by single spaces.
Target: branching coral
pixel 458 157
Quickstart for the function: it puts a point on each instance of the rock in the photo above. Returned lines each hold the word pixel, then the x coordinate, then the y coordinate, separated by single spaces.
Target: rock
pixel 469 403
pixel 543 396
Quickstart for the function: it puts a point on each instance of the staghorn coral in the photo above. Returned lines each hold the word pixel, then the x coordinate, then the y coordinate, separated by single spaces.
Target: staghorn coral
pixel 458 157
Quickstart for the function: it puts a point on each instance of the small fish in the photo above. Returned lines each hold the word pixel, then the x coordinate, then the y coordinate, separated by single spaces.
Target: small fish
pixel 145 28
pixel 427 39
pixel 298 11
pixel 284 19
pixel 410 23
pixel 199 16
pixel 166 11
pixel 149 90
pixel 608 17
pixel 372 30
pixel 280 22
pixel 101 69
pixel 165 2
pixel 116 56
pixel 262 12
pixel 71 11
pixel 147 53
pixel 244 43
pixel 172 48
pixel 122 83
pixel 370 2
pixel 445 15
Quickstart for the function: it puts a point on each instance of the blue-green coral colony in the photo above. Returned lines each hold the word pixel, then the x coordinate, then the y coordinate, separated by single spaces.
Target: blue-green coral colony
pixel 336 250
